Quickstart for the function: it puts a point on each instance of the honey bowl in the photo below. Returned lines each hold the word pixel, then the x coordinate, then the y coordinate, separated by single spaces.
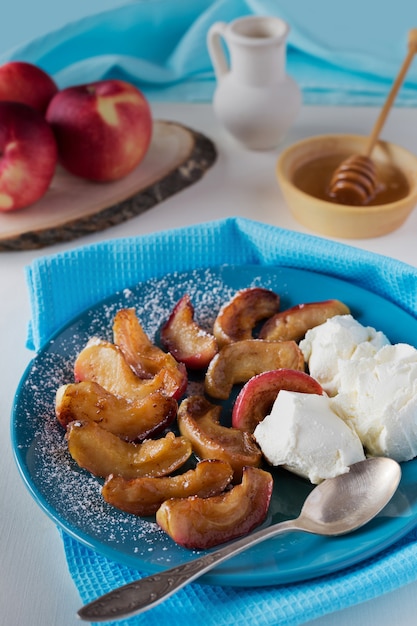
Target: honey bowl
pixel 304 171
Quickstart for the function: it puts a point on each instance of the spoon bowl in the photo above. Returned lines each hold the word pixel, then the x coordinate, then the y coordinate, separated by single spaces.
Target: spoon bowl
pixel 335 507
pixel 342 504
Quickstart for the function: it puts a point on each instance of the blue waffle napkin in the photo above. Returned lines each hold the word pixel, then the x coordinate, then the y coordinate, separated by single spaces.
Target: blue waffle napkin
pixel 57 295
pixel 337 52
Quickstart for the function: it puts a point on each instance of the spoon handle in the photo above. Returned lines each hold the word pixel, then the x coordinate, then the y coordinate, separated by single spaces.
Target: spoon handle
pixel 141 595
pixel 412 49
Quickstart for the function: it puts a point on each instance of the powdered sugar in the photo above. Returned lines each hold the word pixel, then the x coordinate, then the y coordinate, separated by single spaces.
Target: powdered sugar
pixel 72 497
pixel 69 494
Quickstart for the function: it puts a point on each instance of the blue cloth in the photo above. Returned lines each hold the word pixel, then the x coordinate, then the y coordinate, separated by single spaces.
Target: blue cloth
pixel 286 605
pixel 338 53
pixel 109 266
pixel 57 295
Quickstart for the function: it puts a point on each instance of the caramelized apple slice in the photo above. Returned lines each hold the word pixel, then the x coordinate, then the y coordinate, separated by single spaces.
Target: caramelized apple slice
pixel 103 363
pixel 144 496
pixel 185 339
pixel 201 523
pixel 257 396
pixel 145 358
pixel 88 401
pixel 198 421
pixel 102 453
pixel 238 362
pixel 293 323
pixel 238 317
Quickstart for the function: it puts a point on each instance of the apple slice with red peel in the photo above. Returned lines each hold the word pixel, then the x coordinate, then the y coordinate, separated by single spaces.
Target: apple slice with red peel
pixel 102 453
pixel 238 317
pixel 144 357
pixel 185 339
pixel 238 362
pixel 144 496
pixel 133 421
pixel 293 323
pixel 255 399
pixel 198 421
pixel 103 363
pixel 202 523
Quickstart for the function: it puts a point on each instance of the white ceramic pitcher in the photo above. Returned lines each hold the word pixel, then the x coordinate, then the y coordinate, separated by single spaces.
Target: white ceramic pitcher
pixel 255 99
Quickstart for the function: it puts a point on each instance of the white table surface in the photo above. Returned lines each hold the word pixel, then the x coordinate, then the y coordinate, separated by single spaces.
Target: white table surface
pixel 35 586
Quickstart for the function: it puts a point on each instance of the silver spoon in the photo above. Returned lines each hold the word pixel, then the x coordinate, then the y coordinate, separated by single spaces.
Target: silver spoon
pixel 335 507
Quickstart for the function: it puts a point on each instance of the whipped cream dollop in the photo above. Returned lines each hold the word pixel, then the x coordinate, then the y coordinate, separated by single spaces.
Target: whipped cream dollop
pixel 371 403
pixel 378 398
pixel 373 384
pixel 305 435
pixel 340 338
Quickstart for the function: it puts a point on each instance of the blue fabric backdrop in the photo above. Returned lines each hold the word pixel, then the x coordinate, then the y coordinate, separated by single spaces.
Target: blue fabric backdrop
pixel 339 53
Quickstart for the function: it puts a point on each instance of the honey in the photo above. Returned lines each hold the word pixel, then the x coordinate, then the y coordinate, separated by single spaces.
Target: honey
pixel 313 177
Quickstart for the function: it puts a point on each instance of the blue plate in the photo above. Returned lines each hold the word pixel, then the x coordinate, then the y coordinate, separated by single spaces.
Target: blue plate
pixel 71 496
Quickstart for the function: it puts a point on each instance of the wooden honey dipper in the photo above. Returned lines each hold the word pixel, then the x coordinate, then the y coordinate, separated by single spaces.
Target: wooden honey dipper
pixel 354 182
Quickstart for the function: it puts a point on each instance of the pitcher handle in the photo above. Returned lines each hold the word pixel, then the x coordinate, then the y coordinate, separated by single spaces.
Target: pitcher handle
pixel 214 43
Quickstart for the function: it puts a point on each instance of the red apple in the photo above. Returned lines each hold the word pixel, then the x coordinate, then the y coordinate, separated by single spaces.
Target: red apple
pixel 257 396
pixel 28 155
pixel 239 316
pixel 201 523
pixel 104 363
pixel 144 495
pixel 26 83
pixel 199 422
pixel 293 323
pixel 145 358
pixel 182 336
pixel 103 129
pixel 237 362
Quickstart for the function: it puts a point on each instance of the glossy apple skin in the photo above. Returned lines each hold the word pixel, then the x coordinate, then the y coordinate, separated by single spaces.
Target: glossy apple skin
pixel 257 396
pixel 202 523
pixel 132 421
pixel 28 156
pixel 238 317
pixel 26 83
pixel 144 357
pixel 102 453
pixel 199 421
pixel 237 362
pixel 185 339
pixel 103 129
pixel 103 362
pixel 293 323
pixel 144 496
